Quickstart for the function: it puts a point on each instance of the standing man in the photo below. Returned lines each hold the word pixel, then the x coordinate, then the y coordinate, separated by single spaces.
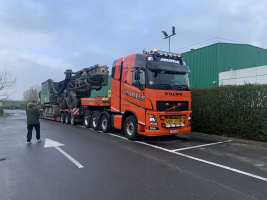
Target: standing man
pixel 33 114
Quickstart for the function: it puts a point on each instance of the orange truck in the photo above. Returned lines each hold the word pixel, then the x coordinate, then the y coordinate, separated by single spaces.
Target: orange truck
pixel 149 96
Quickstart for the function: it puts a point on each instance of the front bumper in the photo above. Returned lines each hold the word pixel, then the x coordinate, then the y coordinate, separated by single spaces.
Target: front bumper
pixel 161 130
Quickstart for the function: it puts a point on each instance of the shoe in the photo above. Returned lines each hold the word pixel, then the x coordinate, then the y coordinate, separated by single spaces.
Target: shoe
pixel 39 140
pixel 29 142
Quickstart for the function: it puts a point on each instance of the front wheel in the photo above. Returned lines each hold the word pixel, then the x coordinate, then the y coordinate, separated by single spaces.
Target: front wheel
pixel 105 124
pixel 130 128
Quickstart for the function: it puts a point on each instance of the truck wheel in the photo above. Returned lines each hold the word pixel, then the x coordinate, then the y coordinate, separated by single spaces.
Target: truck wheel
pixel 62 117
pixel 86 120
pixel 105 124
pixel 72 120
pixel 95 121
pixel 130 128
pixel 67 119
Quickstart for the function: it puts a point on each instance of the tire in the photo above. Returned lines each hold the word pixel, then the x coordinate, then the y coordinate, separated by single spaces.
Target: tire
pixel 63 118
pixel 105 124
pixel 130 128
pixel 67 118
pixel 72 120
pixel 86 120
pixel 94 122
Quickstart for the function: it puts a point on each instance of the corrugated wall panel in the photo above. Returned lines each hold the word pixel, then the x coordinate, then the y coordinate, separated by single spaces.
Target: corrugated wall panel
pixel 203 65
pixel 103 91
pixel 206 63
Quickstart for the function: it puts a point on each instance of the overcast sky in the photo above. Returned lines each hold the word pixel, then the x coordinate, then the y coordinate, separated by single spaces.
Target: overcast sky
pixel 40 39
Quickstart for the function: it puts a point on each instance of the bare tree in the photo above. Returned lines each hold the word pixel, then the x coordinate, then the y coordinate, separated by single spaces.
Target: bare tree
pixel 6 83
pixel 32 94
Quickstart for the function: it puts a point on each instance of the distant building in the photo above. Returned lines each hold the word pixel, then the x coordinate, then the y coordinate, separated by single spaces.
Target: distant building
pixel 210 65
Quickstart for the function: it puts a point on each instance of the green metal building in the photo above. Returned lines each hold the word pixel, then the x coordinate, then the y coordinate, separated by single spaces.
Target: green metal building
pixel 207 62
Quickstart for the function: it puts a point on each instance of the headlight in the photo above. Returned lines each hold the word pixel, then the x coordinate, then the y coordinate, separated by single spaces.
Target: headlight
pixel 153 120
pixel 189 119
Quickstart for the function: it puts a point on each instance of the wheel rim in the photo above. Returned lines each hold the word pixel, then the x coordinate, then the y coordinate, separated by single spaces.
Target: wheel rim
pixel 61 118
pixel 94 121
pixel 86 121
pixel 72 120
pixel 130 128
pixel 67 119
pixel 104 124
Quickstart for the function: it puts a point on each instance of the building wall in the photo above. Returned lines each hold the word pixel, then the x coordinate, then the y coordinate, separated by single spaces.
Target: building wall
pixel 206 63
pixel 242 76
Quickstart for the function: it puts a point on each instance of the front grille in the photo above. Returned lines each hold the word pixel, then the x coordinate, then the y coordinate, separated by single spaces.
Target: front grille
pixel 172 105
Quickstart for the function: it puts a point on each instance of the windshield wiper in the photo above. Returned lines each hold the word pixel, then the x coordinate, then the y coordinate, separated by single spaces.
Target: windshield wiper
pixel 166 86
pixel 183 87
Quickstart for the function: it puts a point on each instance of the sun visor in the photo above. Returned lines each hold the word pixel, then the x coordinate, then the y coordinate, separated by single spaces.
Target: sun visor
pixel 159 66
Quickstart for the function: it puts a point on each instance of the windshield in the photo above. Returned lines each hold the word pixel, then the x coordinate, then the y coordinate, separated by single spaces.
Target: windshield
pixel 167 80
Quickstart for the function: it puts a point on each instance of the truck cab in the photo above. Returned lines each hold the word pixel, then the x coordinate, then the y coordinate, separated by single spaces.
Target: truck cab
pixel 150 94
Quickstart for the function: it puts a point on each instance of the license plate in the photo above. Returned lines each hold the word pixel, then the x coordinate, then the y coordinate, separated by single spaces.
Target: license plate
pixel 173 121
pixel 173 131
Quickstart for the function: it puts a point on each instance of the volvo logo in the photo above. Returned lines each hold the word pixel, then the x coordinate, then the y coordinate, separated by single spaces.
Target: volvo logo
pixel 173 94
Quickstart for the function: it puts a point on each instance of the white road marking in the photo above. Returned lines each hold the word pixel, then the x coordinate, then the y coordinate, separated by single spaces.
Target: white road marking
pixel 69 157
pixel 198 159
pixel 117 136
pixel 52 143
pixel 207 162
pixel 203 145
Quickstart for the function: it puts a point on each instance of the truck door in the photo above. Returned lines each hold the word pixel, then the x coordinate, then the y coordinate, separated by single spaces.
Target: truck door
pixel 116 86
pixel 132 88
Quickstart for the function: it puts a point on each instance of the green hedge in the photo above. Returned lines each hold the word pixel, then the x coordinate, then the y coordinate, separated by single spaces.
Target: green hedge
pixel 1 112
pixel 234 111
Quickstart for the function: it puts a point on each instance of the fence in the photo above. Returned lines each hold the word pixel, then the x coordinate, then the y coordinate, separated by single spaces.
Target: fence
pixel 234 111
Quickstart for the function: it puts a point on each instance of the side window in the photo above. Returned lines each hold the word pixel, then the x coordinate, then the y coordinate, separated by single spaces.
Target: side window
pixel 141 81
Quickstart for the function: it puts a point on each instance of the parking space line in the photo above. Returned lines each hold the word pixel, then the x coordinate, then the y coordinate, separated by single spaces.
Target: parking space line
pixel 203 145
pixel 117 136
pixel 208 162
pixel 198 159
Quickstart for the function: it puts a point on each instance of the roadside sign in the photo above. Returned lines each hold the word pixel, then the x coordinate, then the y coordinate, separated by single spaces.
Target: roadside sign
pixel 0 104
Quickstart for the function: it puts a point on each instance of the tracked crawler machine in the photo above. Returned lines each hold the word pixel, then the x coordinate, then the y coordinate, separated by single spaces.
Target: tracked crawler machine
pixel 66 94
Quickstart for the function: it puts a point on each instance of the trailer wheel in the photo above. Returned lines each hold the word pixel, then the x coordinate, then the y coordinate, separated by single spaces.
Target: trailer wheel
pixel 130 128
pixel 94 122
pixel 62 117
pixel 72 120
pixel 86 120
pixel 105 124
pixel 67 118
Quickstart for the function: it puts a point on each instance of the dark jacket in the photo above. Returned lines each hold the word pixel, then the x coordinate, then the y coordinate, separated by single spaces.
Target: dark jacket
pixel 33 114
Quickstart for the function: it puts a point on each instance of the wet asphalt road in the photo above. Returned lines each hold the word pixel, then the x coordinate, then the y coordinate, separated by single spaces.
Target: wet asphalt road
pixel 116 168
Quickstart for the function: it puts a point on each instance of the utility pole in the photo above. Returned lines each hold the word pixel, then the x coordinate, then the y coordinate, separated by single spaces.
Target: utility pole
pixel 169 36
